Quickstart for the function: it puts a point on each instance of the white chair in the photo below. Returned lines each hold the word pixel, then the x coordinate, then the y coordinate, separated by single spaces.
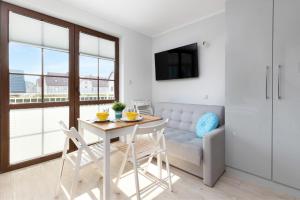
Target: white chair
pixel 143 107
pixel 138 151
pixel 83 157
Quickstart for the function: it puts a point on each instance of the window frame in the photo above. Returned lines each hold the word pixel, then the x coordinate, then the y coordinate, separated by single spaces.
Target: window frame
pixel 73 88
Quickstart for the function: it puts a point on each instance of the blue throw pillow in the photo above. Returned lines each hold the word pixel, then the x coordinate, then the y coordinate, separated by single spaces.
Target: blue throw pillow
pixel 206 123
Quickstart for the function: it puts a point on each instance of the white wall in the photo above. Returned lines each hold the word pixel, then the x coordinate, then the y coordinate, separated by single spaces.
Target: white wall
pixel 135 48
pixel 209 87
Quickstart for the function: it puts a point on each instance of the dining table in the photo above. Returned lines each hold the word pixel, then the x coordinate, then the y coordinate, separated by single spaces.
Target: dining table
pixel 107 131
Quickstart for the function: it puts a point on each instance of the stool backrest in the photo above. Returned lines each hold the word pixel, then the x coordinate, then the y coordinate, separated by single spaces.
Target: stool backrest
pixel 154 132
pixel 77 139
pixel 158 128
pixel 143 107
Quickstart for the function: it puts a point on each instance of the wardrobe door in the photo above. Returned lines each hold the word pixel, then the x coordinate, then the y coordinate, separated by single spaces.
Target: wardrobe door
pixel 286 134
pixel 249 85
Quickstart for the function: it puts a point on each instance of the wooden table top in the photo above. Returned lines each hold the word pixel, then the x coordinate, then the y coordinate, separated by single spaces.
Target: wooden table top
pixel 109 126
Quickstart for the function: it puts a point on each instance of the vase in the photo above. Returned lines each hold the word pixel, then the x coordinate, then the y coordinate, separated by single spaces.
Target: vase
pixel 118 114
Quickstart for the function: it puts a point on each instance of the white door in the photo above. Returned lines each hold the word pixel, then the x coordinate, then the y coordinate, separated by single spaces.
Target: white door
pixel 249 85
pixel 286 134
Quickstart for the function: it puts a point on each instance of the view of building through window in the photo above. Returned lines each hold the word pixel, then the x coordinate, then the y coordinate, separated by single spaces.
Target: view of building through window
pixel 26 75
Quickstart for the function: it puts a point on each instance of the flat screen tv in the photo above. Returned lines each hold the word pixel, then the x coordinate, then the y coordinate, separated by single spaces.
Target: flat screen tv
pixel 178 63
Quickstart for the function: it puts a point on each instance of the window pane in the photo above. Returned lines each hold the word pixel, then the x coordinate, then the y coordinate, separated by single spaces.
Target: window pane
pixel 54 138
pixel 54 142
pixel 106 69
pixel 88 67
pixel 25 134
pixel 21 125
pixel 24 89
pixel 37 135
pixel 55 36
pixel 96 46
pixel 24 59
pixel 106 48
pixel 56 63
pixel 106 90
pixel 37 32
pixel 56 89
pixel 25 29
pixel 89 111
pixel 88 89
pixel 25 148
pixel 53 115
pixel 88 44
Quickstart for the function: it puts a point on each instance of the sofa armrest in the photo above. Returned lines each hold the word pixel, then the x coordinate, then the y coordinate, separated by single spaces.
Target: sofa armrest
pixel 213 156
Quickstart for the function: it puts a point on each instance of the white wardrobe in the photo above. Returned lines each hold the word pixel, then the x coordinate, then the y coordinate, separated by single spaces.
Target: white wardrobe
pixel 263 88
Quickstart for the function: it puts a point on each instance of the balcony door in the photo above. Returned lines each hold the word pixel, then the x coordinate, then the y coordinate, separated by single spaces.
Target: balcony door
pixel 97 69
pixel 51 70
pixel 37 83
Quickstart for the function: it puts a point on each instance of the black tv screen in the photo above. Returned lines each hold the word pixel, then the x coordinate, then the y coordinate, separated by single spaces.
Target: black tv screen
pixel 181 62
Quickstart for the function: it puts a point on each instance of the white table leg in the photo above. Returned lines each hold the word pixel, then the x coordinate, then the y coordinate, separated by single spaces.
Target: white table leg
pixel 106 168
pixel 159 161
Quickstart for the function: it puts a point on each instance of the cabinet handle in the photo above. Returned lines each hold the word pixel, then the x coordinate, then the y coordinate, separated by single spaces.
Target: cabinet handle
pixel 278 79
pixel 267 72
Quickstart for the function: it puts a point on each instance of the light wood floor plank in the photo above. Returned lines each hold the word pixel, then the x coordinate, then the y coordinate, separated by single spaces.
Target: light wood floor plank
pixel 38 183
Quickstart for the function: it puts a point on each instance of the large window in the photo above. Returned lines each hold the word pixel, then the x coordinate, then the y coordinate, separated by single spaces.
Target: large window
pixel 50 70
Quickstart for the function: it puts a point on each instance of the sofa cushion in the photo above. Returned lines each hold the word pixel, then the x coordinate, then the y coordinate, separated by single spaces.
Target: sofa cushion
pixel 185 116
pixel 206 123
pixel 184 145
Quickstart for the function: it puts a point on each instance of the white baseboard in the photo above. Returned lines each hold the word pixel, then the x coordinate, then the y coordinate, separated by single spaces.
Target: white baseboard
pixel 276 187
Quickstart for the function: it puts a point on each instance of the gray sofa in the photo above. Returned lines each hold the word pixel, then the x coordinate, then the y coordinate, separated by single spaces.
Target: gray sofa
pixel 202 157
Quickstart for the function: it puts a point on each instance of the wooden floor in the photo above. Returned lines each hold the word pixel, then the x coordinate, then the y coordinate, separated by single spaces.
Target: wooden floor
pixel 38 183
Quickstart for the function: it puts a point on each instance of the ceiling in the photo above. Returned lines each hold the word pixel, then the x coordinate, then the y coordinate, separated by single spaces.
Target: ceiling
pixel 150 17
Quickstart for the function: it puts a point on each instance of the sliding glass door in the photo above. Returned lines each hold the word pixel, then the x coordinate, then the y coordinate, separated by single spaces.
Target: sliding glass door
pixel 50 70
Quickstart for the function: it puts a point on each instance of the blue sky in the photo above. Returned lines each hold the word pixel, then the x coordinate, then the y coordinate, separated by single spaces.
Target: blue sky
pixel 28 59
